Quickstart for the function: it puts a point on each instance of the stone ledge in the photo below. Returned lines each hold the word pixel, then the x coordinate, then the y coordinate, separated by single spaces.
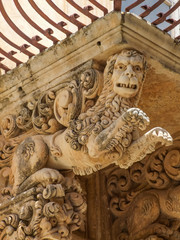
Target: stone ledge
pixel 97 41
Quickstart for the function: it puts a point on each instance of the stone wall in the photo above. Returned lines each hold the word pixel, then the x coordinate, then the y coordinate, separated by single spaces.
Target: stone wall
pixel 79 157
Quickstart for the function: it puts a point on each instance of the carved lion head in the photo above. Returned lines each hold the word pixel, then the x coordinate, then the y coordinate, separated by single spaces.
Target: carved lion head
pixel 126 71
pixel 123 79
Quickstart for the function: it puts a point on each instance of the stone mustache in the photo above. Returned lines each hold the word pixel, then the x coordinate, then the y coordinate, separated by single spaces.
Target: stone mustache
pixel 102 134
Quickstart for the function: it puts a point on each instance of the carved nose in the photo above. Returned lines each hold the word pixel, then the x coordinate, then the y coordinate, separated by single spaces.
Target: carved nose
pixel 129 72
pixel 63 231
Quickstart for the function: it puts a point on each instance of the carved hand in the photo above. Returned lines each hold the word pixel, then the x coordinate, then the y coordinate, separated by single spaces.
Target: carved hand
pixel 133 117
pixel 159 135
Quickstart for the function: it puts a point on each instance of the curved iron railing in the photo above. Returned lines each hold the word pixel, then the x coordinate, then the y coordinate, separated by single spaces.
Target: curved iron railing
pixel 68 19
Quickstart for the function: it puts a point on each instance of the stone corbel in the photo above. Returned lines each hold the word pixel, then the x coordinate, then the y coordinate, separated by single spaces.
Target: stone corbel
pixel 84 124
pixel 49 204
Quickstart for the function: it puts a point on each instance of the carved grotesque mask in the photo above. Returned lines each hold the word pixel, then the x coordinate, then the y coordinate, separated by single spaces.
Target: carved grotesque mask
pixel 128 73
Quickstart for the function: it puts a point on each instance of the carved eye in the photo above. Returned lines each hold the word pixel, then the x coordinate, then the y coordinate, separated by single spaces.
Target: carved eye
pixel 137 68
pixel 121 66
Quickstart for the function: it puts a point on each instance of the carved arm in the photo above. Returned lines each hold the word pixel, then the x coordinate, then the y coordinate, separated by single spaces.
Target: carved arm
pixel 130 120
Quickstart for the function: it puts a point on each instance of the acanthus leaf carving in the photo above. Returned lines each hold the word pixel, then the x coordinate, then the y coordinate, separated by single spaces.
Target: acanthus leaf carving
pixel 84 124
pixel 42 117
pixel 23 120
pixel 9 127
pixel 108 130
pixel 68 103
pixel 171 164
pixel 149 207
pixel 48 211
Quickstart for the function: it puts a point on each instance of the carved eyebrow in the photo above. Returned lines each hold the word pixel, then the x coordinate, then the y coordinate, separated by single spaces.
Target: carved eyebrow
pixel 132 60
pixel 122 61
pixel 135 62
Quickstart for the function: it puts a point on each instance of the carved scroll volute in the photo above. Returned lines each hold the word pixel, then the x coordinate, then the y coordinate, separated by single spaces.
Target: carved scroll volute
pixel 154 170
pixel 164 166
pixel 118 184
pixel 78 96
pixel 49 210
pixel 153 211
pixel 92 84
pixel 24 118
pixel 68 103
pixel 172 159
pixel 172 164
pixel 43 118
pixel 9 127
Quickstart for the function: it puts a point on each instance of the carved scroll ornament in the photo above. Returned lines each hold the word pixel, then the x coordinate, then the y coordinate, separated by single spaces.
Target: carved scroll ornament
pixel 145 199
pixel 50 210
pixel 84 125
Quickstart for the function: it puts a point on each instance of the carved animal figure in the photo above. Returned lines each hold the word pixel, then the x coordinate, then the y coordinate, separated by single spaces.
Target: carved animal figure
pixel 107 133
pixel 141 218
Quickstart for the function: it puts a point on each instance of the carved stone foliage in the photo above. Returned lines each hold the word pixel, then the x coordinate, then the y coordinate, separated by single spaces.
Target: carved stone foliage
pixel 54 109
pixel 93 117
pixel 84 124
pixel 145 199
pixel 38 202
pixel 52 209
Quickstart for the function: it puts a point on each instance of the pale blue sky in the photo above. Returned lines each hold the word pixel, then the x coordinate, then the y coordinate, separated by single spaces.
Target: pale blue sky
pixel 138 10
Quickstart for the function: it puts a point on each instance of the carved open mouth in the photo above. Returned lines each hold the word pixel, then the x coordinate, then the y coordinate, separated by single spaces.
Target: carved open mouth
pixel 131 86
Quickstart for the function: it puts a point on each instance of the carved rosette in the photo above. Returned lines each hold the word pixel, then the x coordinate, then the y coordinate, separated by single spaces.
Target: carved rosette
pixel 145 199
pixel 50 210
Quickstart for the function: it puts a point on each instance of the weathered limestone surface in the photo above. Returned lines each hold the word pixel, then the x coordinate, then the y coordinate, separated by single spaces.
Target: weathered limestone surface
pixel 144 200
pixel 98 41
pixel 73 108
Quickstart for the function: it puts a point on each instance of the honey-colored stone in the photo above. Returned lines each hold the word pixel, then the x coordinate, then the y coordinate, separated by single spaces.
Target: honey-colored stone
pixel 74 110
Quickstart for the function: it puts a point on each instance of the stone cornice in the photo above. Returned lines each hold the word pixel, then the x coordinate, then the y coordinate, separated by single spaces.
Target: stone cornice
pixel 96 41
pixel 146 36
pixel 72 110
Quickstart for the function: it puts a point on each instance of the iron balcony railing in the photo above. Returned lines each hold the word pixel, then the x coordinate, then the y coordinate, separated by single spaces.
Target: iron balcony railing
pixel 73 19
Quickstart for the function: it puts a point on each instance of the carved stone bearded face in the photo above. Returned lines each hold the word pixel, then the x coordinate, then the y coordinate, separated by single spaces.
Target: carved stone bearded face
pixel 128 73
